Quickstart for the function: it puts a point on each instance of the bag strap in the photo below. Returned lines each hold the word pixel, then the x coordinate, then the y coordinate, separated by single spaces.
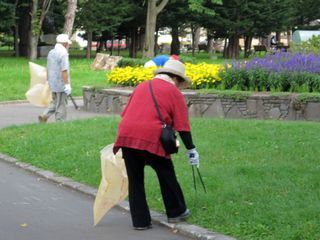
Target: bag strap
pixel 156 104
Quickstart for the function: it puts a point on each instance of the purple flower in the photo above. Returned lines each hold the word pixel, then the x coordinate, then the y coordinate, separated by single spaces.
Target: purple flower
pixel 286 62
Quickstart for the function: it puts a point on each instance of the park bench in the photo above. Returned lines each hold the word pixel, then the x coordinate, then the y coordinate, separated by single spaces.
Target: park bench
pixel 259 48
pixel 283 48
pixel 200 47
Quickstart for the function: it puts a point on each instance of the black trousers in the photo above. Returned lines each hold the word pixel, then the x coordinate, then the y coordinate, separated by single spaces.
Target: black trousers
pixel 172 195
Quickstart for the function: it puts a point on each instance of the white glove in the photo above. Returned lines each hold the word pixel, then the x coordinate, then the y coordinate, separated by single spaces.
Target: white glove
pixel 67 89
pixel 193 156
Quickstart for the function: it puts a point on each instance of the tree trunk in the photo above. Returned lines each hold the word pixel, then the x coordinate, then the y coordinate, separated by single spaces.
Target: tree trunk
pixel 111 49
pixel 133 44
pixel 69 17
pixel 265 41
pixel 36 25
pixel 23 13
pixel 140 40
pixel 175 44
pixel 89 45
pixel 193 39
pixel 156 47
pixel 16 31
pixel 16 43
pixel 233 47
pixel 289 37
pixel 33 36
pixel 197 36
pixel 210 48
pixel 210 37
pixel 225 46
pixel 100 45
pixel 247 46
pixel 278 37
pixel 152 13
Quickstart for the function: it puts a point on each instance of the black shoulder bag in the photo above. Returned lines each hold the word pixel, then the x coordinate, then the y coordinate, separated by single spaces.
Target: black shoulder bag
pixel 168 135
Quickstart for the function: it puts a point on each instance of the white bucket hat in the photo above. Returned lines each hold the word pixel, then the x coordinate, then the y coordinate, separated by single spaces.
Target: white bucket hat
pixel 174 67
pixel 63 38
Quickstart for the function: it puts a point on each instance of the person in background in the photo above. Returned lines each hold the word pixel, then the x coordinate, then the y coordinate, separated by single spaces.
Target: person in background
pixel 58 75
pixel 273 41
pixel 160 60
pixel 139 138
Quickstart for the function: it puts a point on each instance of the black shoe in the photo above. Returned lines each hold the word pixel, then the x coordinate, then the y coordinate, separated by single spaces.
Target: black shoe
pixel 143 228
pixel 181 218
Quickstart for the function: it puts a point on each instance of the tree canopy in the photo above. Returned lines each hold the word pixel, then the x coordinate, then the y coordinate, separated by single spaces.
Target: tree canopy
pixel 140 19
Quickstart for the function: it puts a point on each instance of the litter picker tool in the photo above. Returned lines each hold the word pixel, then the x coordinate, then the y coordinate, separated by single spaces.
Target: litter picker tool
pixel 200 177
pixel 74 102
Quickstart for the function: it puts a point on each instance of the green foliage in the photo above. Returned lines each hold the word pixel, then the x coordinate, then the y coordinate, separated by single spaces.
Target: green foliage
pixel 7 18
pixel 35 23
pixel 312 45
pixel 187 59
pixel 260 80
pixel 99 16
pixel 132 62
pixel 6 40
pixel 309 97
pixel 233 94
pixel 237 79
pixel 200 6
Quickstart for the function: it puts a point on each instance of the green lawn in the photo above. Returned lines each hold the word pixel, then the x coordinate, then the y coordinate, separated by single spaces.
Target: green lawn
pixel 262 177
pixel 15 76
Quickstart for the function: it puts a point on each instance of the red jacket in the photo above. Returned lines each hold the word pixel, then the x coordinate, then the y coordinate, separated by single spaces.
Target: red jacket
pixel 140 126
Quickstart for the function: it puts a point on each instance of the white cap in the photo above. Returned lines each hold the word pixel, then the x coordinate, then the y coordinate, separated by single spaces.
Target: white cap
pixel 63 38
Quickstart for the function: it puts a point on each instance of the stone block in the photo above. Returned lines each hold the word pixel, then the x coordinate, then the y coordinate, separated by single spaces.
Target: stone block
pixel 214 110
pixel 234 112
pixel 260 109
pixel 312 111
pixel 274 113
pixel 251 106
pixel 195 110
pixel 105 62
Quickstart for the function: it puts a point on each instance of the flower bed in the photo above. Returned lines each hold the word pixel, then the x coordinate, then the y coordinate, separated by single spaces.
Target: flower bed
pixel 279 72
pixel 282 71
pixel 202 75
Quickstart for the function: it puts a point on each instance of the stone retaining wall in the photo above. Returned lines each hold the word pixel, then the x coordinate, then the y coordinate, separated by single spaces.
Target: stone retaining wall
pixel 256 106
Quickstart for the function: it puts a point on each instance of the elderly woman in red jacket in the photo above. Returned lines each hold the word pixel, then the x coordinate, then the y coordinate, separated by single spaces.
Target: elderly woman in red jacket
pixel 139 138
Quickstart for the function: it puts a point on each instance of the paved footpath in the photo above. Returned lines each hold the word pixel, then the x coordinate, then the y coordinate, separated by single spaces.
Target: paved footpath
pixel 38 205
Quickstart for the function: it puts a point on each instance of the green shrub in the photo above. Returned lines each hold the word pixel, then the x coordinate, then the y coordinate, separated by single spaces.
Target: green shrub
pixel 312 45
pixel 132 62
pixel 237 79
pixel 259 80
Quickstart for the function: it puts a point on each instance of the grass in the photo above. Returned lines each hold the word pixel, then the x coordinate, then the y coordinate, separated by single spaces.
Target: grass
pixel 15 76
pixel 262 177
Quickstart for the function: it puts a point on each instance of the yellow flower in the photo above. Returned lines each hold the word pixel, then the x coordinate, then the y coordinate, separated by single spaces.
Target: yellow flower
pixel 202 74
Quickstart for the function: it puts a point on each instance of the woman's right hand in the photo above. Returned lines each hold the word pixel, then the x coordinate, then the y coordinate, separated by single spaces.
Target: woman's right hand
pixel 194 159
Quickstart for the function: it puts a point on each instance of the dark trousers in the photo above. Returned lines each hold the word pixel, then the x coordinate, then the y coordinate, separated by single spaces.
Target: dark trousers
pixel 172 195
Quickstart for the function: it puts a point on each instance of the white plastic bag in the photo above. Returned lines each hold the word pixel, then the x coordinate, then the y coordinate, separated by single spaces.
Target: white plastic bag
pixel 114 183
pixel 39 93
